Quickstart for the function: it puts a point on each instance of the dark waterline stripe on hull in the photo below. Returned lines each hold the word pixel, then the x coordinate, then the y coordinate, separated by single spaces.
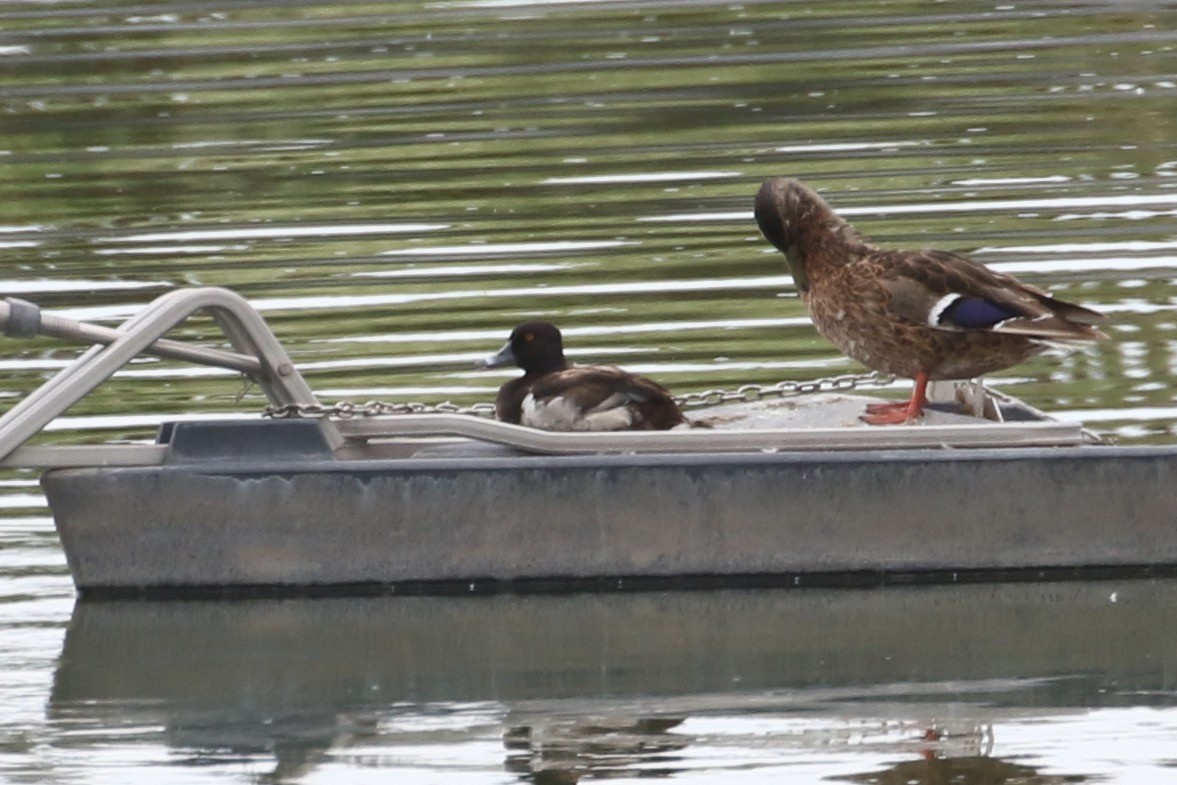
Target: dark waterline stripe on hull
pixel 865 579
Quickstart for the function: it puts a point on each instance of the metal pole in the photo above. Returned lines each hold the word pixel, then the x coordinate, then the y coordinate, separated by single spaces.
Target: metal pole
pixel 82 332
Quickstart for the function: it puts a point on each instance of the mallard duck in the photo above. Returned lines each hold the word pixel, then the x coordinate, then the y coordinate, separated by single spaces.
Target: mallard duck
pixel 925 315
pixel 557 397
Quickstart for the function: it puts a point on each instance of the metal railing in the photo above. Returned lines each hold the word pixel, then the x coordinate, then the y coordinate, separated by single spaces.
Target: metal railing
pixel 257 353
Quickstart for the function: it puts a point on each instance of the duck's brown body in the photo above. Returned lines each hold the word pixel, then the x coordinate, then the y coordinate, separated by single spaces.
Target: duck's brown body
pixel 555 396
pixel 587 398
pixel 920 314
pixel 899 345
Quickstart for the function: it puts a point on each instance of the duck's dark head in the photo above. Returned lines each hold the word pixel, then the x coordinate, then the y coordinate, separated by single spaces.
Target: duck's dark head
pixel 536 347
pixel 780 205
pixel 803 227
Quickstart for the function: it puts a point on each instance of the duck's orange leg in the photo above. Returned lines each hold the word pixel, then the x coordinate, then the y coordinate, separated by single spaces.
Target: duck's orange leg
pixel 901 411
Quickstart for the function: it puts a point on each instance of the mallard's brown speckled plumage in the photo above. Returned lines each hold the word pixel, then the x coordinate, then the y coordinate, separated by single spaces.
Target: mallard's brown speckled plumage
pixel 921 314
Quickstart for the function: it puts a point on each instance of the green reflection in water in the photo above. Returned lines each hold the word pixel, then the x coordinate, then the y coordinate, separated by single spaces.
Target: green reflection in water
pixel 543 125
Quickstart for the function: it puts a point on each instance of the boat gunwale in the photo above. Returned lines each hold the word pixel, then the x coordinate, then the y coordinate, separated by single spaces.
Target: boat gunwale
pixel 252 466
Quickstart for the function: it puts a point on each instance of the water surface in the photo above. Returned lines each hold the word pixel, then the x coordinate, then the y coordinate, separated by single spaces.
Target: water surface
pixel 395 185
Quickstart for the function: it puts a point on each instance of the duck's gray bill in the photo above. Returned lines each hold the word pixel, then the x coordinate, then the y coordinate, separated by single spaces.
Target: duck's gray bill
pixel 504 357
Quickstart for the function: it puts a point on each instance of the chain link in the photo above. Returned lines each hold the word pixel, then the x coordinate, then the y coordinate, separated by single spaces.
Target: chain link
pixel 786 389
pixel 346 410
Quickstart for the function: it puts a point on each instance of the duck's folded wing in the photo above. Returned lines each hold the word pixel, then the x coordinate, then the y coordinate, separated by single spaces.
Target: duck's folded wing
pixel 598 388
pixel 950 292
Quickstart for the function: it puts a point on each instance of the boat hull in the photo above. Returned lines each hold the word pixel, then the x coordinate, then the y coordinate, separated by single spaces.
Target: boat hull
pixel 613 521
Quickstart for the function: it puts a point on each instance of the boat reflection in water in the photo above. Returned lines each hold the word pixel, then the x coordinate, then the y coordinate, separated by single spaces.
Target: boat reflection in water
pixel 899 684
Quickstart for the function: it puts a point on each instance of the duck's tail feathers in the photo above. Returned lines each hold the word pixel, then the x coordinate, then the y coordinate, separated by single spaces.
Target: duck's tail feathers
pixel 1052 327
pixel 1072 313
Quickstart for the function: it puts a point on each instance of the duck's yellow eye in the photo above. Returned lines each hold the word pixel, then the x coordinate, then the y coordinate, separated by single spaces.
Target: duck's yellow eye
pixel 529 337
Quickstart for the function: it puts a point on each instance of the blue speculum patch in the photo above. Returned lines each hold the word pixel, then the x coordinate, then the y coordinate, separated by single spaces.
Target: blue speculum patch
pixel 974 313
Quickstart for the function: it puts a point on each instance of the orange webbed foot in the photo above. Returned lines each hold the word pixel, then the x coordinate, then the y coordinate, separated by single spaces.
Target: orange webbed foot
pixel 896 415
pixel 899 412
pixel 889 406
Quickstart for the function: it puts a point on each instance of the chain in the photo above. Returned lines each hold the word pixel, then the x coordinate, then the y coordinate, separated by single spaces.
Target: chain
pixel 346 410
pixel 786 389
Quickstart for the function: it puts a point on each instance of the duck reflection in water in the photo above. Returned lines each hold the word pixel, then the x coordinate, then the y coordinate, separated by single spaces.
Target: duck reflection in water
pixel 926 315
pixel 968 770
pixel 977 767
pixel 555 396
pixel 278 749
pixel 560 752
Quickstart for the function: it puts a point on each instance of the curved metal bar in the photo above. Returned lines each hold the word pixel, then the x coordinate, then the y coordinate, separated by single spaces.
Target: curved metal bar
pixel 707 440
pixel 245 328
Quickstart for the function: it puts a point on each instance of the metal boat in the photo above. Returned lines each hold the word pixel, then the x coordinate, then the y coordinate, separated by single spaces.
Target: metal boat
pixel 785 491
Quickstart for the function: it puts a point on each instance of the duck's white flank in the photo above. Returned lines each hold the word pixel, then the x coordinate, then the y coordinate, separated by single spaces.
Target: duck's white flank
pixel 560 414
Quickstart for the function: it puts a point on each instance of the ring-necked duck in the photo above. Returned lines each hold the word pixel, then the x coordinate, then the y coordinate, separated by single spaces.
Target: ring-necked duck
pixel 558 397
pixel 920 314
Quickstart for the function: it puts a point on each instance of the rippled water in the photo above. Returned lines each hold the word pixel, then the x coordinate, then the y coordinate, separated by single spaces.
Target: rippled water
pixel 395 185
